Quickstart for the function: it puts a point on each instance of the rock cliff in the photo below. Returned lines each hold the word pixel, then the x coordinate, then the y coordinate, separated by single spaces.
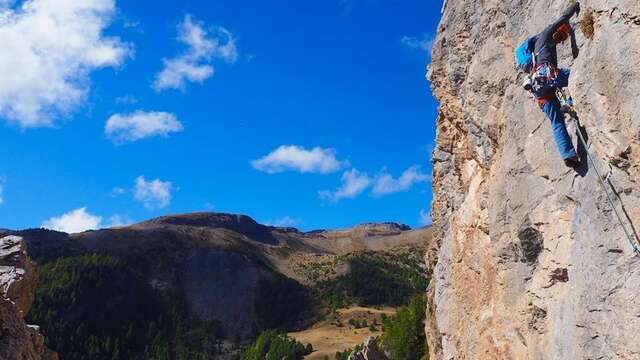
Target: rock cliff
pixel 369 351
pixel 530 261
pixel 18 276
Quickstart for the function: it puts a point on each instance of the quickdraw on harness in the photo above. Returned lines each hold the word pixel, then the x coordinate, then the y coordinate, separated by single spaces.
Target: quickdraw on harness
pixel 541 82
pixel 567 106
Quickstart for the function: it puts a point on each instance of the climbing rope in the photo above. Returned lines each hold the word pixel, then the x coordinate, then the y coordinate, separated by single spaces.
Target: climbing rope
pixel 571 111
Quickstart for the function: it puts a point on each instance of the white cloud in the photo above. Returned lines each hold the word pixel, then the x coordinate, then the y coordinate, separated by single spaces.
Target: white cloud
pixel 117 191
pixel 75 221
pixel 155 194
pixel 118 220
pixel 124 128
pixel 194 64
pixel 353 184
pixel 285 221
pixel 385 183
pixel 425 218
pixel 424 43
pixel 80 220
pixel 49 48
pixel 296 158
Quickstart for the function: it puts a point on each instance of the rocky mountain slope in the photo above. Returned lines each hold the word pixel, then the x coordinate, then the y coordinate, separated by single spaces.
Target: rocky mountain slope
pixel 206 281
pixel 18 276
pixel 530 261
pixel 369 351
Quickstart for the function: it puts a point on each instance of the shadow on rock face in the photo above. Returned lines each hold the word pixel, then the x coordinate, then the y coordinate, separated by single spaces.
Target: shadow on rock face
pixel 531 244
pixel 583 168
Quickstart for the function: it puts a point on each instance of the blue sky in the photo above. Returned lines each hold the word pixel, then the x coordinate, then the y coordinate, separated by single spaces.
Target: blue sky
pixel 313 114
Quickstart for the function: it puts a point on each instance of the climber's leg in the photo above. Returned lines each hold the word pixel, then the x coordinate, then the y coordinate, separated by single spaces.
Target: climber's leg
pixel 560 133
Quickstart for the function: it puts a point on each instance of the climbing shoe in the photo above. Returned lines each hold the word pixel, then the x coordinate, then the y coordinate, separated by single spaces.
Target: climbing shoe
pixel 572 162
pixel 566 105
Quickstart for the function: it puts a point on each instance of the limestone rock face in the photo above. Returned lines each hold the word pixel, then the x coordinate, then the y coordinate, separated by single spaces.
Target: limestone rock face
pixel 18 341
pixel 370 351
pixel 529 260
pixel 18 276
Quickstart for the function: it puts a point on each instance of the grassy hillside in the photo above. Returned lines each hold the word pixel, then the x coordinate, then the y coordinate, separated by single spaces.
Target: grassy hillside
pixel 99 306
pixel 343 329
pixel 361 302
pixel 201 286
pixel 371 278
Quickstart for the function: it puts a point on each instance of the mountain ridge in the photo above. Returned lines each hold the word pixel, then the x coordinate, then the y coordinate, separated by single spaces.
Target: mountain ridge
pixel 222 272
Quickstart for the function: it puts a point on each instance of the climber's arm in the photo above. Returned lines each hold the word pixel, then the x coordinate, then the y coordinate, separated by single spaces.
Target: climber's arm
pixel 573 9
pixel 574 45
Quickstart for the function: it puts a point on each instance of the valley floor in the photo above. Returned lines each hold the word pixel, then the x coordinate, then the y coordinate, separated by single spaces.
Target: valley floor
pixel 338 332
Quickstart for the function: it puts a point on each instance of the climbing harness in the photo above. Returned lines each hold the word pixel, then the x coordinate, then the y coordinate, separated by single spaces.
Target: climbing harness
pixel 545 79
pixel 567 106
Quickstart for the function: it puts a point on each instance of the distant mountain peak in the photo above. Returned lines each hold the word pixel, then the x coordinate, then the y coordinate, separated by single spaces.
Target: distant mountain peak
pixel 367 230
pixel 203 219
pixel 384 226
pixel 242 223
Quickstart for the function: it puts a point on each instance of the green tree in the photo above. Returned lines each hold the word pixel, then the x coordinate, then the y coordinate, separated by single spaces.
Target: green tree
pixel 280 301
pixel 376 279
pixel 344 355
pixel 271 345
pixel 96 306
pixel 403 334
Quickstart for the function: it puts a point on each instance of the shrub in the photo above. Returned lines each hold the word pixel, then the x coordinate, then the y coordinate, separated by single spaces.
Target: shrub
pixel 344 355
pixel 587 23
pixel 272 345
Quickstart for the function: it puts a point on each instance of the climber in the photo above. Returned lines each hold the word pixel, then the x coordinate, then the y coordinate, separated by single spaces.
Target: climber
pixel 539 58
